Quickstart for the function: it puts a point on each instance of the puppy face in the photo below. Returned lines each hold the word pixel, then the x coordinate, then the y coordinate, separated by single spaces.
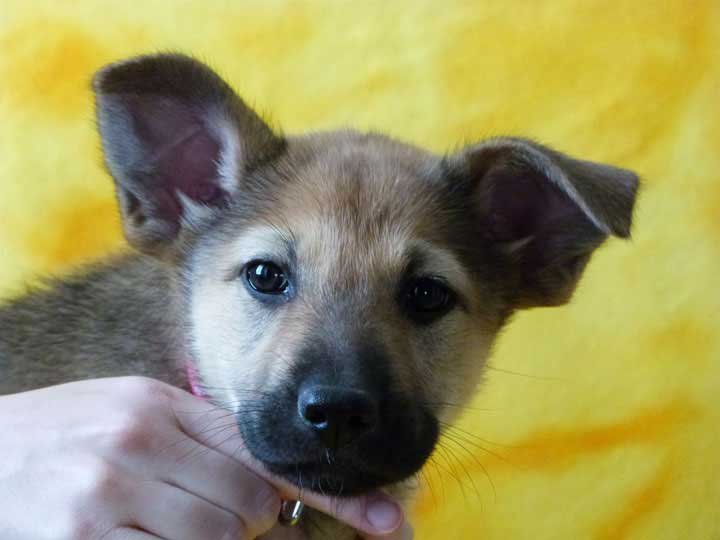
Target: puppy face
pixel 367 294
pixel 341 291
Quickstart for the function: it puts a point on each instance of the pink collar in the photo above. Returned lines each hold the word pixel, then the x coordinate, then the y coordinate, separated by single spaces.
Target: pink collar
pixel 194 381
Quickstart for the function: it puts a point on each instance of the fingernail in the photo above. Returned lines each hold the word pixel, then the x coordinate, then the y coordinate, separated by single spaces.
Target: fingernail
pixel 384 515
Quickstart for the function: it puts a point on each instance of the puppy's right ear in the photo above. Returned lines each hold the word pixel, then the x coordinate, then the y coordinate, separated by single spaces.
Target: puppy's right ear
pixel 177 141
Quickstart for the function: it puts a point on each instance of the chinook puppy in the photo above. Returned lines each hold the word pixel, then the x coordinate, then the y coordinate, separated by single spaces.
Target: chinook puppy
pixel 354 282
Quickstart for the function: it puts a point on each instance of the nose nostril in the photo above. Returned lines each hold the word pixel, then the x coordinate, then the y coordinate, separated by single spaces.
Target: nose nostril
pixel 315 415
pixel 336 415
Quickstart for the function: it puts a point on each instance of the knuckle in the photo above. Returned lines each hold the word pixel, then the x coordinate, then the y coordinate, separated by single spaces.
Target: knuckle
pixel 144 389
pixel 129 434
pixel 105 483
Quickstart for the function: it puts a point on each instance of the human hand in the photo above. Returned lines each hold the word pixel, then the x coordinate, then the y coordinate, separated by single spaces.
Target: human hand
pixel 135 459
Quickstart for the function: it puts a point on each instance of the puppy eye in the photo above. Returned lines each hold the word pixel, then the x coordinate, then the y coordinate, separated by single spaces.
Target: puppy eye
pixel 266 277
pixel 427 299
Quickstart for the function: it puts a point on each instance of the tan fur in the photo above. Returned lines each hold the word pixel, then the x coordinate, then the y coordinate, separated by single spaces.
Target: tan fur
pixel 351 218
pixel 354 216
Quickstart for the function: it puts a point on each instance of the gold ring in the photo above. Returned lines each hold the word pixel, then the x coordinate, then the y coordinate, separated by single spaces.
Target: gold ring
pixel 290 513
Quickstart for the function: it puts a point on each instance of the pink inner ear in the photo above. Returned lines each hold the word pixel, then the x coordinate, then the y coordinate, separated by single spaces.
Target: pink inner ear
pixel 182 152
pixel 525 204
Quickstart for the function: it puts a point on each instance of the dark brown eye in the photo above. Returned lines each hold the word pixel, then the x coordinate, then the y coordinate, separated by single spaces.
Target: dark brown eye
pixel 266 277
pixel 427 299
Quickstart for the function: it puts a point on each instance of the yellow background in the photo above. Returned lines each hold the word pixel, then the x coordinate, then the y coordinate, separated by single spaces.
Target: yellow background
pixel 608 426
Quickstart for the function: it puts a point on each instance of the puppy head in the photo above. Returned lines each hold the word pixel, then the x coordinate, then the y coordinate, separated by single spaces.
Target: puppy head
pixel 341 291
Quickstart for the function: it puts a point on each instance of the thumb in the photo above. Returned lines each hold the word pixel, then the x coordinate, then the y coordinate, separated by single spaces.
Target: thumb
pixel 405 532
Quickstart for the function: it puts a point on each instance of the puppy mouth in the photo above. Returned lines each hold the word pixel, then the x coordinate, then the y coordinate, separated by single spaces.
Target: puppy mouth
pixel 329 478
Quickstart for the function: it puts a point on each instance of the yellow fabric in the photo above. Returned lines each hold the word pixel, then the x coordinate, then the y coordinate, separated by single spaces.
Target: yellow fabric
pixel 601 420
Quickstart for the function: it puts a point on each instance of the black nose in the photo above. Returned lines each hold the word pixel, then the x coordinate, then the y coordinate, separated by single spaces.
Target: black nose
pixel 337 415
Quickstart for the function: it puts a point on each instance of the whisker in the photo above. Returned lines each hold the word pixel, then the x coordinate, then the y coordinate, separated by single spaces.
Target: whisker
pixel 429 487
pixel 438 471
pixel 471 435
pixel 528 375
pixel 460 464
pixel 474 444
pixel 457 406
pixel 477 461
pixel 439 477
pixel 202 449
pixel 452 471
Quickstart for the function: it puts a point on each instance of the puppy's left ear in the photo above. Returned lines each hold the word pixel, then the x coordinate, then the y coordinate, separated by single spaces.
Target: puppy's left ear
pixel 543 213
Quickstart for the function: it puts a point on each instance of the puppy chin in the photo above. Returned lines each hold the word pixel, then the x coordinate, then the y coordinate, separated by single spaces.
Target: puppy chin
pixel 337 479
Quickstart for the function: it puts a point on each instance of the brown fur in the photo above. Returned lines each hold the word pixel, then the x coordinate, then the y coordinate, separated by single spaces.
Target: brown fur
pixel 205 187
